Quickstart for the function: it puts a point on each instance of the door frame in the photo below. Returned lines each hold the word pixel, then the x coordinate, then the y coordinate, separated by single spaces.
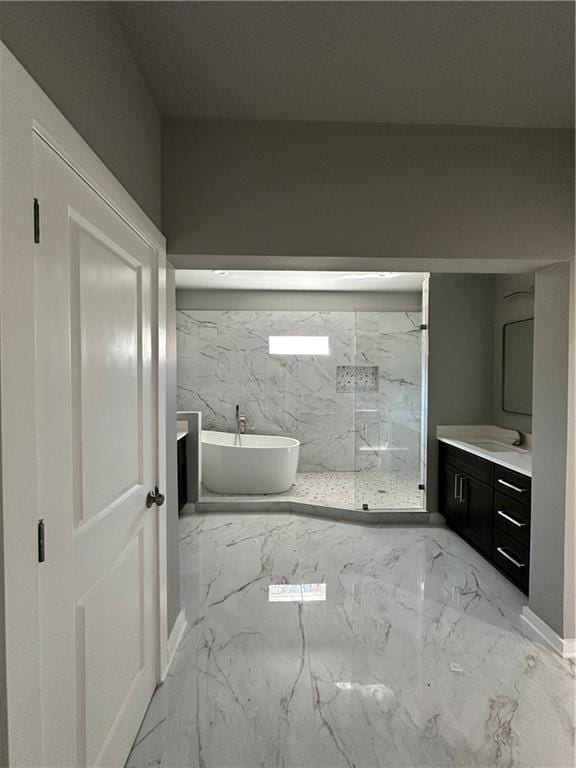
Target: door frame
pixel 25 110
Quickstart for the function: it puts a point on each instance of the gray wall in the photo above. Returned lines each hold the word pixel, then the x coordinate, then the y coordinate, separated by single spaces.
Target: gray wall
pixel 507 311
pixel 299 300
pixel 461 355
pixel 172 538
pixel 3 695
pixel 328 189
pixel 550 418
pixel 570 531
pixel 78 54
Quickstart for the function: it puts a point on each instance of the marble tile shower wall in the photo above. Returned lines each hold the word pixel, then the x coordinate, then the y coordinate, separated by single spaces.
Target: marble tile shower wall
pixel 223 360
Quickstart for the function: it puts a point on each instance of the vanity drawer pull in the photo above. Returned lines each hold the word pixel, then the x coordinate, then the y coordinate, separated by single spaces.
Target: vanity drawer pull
pixel 511 519
pixel 513 487
pixel 510 558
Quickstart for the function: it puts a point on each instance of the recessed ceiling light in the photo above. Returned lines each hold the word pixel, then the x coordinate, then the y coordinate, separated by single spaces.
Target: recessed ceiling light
pixel 219 272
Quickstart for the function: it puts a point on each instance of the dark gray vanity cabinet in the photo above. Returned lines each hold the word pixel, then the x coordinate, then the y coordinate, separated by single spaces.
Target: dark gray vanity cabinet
pixel 478 499
pixel 512 502
pixel 489 506
pixel 466 496
pixel 182 474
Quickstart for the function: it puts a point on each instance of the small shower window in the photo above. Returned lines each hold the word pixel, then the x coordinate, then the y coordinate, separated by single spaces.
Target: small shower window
pixel 299 345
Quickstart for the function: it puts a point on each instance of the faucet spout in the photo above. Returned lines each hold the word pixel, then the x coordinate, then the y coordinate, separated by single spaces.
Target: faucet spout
pixel 240 427
pixel 519 440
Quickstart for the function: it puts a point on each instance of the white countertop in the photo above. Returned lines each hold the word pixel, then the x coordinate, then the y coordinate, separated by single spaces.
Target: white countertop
pixel 518 459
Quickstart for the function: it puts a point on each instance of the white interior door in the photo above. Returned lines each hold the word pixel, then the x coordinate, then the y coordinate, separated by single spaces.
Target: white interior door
pixel 96 459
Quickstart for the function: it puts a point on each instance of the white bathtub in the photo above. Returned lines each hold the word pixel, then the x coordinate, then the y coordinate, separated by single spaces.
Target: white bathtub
pixel 262 464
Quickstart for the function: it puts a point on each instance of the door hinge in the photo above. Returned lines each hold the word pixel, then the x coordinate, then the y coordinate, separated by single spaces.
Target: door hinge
pixel 421 487
pixel 423 327
pixel 36 220
pixel 41 542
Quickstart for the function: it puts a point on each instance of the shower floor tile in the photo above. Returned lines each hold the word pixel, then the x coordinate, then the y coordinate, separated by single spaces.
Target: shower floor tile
pixel 351 489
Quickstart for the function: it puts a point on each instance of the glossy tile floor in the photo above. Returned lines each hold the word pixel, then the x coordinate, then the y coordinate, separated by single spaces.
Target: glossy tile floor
pixel 378 489
pixel 415 658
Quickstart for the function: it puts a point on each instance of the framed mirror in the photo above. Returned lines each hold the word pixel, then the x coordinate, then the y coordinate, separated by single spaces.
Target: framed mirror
pixel 517 349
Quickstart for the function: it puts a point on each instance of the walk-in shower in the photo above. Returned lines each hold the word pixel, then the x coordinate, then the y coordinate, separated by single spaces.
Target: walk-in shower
pixel 348 384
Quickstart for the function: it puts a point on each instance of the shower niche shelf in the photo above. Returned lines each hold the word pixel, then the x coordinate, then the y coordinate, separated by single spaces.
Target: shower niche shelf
pixel 356 378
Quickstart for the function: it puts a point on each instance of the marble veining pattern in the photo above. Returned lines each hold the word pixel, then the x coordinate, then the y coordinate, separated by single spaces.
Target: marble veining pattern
pixel 417 657
pixel 223 360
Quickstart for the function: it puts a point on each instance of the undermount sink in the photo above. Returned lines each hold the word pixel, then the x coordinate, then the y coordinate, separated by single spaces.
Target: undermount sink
pixel 491 443
pixel 492 446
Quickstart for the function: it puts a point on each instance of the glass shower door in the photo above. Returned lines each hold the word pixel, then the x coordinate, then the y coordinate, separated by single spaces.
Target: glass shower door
pixel 390 410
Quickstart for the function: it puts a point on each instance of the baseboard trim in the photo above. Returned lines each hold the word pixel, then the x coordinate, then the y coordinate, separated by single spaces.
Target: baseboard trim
pixel 174 640
pixel 563 647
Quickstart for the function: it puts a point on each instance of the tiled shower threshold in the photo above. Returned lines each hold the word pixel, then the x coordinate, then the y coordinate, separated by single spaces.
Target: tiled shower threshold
pixel 263 505
pixel 338 495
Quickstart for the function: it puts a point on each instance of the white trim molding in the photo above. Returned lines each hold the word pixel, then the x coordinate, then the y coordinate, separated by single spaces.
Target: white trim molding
pixel 565 647
pixel 176 636
pixel 27 112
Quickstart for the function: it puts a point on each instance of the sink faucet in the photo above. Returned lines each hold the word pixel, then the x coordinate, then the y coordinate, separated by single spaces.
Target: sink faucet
pixel 519 439
pixel 240 426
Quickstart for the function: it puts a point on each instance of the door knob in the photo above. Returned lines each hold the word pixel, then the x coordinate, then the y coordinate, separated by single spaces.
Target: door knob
pixel 155 498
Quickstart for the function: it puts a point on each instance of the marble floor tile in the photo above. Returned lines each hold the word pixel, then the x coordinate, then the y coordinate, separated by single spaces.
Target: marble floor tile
pixel 417 656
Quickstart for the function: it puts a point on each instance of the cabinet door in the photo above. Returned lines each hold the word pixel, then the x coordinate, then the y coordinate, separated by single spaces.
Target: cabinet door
pixel 478 499
pixel 450 504
pixel 182 475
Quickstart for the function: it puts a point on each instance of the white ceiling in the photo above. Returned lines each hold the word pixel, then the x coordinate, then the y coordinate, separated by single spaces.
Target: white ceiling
pixel 266 280
pixel 462 63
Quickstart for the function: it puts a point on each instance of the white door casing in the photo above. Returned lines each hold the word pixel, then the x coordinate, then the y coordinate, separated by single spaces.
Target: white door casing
pixel 96 463
pixel 25 114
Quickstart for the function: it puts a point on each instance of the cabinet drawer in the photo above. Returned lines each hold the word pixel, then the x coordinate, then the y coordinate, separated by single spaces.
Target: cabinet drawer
pixel 513 484
pixel 512 517
pixel 512 557
pixel 472 465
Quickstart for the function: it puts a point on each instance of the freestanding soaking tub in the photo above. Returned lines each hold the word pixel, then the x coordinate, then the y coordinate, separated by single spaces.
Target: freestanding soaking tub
pixel 261 464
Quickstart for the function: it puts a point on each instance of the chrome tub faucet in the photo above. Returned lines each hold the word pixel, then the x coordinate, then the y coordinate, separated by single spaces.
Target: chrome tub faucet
pixel 240 426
